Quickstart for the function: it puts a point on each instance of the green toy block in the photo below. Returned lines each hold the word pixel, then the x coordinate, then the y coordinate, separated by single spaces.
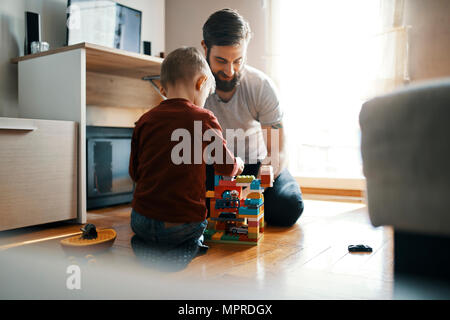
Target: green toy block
pixel 208 234
pixel 252 235
pixel 230 237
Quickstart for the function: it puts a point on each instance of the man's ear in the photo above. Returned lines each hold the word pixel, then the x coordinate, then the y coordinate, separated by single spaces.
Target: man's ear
pixel 204 47
pixel 201 81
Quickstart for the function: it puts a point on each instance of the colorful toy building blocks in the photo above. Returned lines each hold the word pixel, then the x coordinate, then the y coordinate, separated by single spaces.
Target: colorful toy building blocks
pixel 244 179
pixel 266 173
pixel 237 208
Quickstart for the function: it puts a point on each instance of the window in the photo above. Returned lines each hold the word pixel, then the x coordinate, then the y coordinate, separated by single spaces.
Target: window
pixel 326 59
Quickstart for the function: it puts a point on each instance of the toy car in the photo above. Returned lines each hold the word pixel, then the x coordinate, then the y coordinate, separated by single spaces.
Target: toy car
pixel 359 248
pixel 239 230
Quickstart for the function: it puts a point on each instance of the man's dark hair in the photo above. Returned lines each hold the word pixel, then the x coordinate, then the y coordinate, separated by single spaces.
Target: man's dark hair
pixel 225 27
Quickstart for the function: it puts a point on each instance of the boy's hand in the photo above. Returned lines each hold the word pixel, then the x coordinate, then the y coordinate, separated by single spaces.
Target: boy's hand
pixel 240 164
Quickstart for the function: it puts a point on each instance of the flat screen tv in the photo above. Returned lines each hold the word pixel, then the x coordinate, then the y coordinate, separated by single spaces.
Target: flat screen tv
pixel 104 22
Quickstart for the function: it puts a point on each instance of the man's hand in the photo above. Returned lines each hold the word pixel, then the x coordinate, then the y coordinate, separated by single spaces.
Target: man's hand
pixel 240 164
pixel 276 153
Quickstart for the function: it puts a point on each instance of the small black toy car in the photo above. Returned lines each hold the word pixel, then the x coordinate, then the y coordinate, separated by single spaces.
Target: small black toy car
pixel 359 248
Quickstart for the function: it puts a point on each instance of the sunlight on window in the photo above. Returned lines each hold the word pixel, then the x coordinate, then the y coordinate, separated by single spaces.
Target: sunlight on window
pixel 326 68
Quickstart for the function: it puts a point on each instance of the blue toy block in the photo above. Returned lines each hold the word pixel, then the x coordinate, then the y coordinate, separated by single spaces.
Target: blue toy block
pixel 253 203
pixel 217 179
pixel 255 185
pixel 248 211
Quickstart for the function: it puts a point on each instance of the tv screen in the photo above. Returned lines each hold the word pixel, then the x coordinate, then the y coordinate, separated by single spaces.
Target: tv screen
pixel 105 23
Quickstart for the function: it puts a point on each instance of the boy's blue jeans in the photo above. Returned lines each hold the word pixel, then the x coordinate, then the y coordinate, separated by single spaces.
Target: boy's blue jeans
pixel 154 231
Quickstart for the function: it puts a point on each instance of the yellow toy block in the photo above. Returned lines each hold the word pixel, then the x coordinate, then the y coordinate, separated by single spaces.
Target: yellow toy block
pixel 253 229
pixel 255 195
pixel 249 216
pixel 210 194
pixel 261 222
pixel 244 179
pixel 217 236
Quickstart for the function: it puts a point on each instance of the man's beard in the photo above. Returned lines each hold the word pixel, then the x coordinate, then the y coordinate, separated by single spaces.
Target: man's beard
pixel 224 85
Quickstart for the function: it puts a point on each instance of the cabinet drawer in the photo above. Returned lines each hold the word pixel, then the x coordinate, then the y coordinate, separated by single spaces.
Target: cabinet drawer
pixel 38 172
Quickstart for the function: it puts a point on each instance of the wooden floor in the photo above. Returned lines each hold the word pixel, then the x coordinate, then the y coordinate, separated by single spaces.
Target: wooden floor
pixel 307 261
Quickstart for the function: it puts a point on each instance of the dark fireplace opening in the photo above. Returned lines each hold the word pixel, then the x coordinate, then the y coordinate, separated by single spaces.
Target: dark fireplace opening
pixel 108 155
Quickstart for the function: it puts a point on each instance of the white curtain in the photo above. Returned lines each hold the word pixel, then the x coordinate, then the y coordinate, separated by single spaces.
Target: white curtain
pixel 327 58
pixel 391 50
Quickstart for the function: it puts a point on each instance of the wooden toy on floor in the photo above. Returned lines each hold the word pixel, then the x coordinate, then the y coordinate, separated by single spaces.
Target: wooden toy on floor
pixel 237 208
pixel 90 240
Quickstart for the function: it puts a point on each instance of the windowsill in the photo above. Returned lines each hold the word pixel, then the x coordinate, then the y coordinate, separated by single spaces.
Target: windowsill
pixel 344 189
pixel 333 198
pixel 332 183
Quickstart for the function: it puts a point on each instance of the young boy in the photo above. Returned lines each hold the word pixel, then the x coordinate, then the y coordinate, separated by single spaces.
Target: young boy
pixel 169 200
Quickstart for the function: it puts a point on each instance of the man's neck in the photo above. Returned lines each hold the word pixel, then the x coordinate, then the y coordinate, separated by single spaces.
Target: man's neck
pixel 226 96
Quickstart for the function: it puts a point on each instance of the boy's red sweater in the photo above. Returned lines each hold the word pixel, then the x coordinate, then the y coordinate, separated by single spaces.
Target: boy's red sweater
pixel 167 191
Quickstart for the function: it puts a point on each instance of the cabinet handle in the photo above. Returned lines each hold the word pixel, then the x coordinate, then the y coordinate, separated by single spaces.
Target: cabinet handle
pixel 23 128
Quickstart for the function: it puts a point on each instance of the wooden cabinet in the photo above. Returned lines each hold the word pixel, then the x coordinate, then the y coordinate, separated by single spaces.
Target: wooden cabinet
pixel 90 85
pixel 38 172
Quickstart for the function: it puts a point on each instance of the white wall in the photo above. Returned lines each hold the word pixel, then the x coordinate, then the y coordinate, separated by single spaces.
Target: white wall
pixel 429 38
pixel 185 19
pixel 53 26
pixel 153 22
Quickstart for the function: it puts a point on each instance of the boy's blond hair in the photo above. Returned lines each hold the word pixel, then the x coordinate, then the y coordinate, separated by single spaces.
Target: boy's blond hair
pixel 183 64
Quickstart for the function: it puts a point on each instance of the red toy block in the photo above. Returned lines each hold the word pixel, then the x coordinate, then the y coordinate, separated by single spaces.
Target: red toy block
pixel 243 237
pixel 220 225
pixel 213 213
pixel 253 224
pixel 227 210
pixel 265 180
pixel 227 183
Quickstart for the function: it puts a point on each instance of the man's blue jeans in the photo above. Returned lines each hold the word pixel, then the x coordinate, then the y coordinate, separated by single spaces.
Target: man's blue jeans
pixel 283 203
pixel 154 231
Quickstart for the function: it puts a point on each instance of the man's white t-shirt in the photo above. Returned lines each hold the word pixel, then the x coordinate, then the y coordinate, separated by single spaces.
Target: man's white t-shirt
pixel 254 104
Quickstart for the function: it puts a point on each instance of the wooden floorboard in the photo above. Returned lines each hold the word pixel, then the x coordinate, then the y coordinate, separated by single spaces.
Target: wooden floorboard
pixel 307 261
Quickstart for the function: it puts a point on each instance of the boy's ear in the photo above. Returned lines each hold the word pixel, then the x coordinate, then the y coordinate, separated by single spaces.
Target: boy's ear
pixel 201 81
pixel 163 91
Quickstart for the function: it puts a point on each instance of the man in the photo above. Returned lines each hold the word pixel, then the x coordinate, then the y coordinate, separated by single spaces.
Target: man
pixel 246 104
